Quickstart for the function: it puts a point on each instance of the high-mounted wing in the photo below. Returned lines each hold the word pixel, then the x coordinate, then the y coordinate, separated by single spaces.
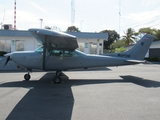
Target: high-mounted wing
pixel 54 40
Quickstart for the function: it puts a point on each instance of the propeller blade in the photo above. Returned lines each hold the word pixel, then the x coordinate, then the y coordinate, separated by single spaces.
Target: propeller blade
pixel 8 58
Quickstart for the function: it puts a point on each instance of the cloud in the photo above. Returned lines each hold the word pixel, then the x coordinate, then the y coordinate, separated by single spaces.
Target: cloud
pixel 141 20
pixel 150 3
pixel 26 16
pixel 143 15
pixel 37 6
pixel 22 16
pixel 57 22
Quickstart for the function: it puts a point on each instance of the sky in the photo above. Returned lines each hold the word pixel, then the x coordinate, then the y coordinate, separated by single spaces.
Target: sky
pixel 90 15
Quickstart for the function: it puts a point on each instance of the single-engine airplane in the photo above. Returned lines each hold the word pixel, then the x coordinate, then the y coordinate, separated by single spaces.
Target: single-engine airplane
pixel 58 53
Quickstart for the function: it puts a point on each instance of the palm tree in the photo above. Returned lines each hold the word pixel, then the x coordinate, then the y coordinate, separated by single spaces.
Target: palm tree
pixel 129 36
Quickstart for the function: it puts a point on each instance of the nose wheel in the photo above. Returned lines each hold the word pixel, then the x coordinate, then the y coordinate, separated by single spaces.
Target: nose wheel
pixel 27 77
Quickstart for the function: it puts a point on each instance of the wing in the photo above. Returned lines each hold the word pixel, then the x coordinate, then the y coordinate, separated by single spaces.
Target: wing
pixel 54 39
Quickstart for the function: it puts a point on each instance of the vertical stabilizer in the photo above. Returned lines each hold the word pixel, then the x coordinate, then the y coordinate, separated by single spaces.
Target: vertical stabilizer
pixel 139 50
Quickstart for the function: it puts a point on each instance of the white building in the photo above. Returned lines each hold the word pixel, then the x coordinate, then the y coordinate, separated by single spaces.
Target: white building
pixel 19 40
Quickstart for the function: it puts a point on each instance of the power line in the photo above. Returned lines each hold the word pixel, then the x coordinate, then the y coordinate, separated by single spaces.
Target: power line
pixel 141 22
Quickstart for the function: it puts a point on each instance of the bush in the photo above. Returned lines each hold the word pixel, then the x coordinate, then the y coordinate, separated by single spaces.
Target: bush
pixel 158 59
pixel 2 53
pixel 121 49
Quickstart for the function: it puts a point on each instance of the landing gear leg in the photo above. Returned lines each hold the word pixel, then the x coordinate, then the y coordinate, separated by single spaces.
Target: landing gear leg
pixel 27 76
pixel 57 78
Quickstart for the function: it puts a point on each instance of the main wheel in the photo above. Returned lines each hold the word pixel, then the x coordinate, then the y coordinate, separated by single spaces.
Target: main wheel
pixel 57 80
pixel 27 77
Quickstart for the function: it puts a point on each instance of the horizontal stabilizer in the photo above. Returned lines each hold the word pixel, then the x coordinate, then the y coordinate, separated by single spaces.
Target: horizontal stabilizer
pixel 138 61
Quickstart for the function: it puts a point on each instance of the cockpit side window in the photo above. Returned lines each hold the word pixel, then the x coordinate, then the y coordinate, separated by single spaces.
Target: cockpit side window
pixel 70 54
pixel 57 52
pixel 61 53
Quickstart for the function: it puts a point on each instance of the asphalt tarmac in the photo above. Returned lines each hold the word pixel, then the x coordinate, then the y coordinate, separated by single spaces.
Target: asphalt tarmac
pixel 123 93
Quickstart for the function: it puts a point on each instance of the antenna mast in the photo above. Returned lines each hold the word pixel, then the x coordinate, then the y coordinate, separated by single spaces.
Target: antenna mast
pixel 119 16
pixel 72 12
pixel 15 15
pixel 41 20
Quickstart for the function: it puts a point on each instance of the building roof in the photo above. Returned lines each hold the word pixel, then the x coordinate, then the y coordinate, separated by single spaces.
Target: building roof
pixel 89 35
pixel 25 33
pixel 156 42
pixel 18 33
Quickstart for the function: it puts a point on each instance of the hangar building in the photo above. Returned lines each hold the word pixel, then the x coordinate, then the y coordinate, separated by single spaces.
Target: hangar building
pixel 20 40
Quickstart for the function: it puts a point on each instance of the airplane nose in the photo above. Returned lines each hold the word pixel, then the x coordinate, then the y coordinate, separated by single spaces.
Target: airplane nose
pixel 8 55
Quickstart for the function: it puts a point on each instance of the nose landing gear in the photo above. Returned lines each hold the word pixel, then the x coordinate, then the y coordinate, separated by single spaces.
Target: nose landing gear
pixel 27 76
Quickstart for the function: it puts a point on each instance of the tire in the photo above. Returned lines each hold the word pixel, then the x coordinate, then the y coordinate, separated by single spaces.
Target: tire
pixel 27 77
pixel 57 80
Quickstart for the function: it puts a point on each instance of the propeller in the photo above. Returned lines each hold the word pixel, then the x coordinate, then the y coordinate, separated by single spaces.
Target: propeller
pixel 8 58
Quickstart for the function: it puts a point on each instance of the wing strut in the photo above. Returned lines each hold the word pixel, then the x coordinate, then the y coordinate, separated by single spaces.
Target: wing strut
pixel 44 52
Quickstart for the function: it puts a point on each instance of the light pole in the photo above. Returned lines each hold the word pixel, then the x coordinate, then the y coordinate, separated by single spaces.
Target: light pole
pixel 81 25
pixel 41 20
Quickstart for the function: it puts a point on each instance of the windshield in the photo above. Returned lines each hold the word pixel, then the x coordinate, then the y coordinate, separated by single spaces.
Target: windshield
pixel 79 52
pixel 39 49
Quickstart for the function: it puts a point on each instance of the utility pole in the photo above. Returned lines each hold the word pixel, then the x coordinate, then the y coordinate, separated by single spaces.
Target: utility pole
pixel 119 16
pixel 15 15
pixel 41 20
pixel 72 12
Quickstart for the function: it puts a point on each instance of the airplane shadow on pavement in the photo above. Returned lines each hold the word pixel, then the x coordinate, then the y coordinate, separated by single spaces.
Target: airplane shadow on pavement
pixel 48 101
pixel 140 81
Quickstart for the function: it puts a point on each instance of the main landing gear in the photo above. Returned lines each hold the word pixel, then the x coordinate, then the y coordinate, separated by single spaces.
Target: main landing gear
pixel 57 78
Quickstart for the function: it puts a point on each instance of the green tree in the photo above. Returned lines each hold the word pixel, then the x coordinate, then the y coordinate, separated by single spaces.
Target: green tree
pixel 52 28
pixel 48 27
pixel 72 29
pixel 121 49
pixel 118 44
pixel 157 34
pixel 148 30
pixel 112 36
pixel 129 36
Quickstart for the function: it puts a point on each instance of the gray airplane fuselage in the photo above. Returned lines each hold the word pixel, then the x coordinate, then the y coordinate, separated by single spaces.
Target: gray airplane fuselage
pixel 75 60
